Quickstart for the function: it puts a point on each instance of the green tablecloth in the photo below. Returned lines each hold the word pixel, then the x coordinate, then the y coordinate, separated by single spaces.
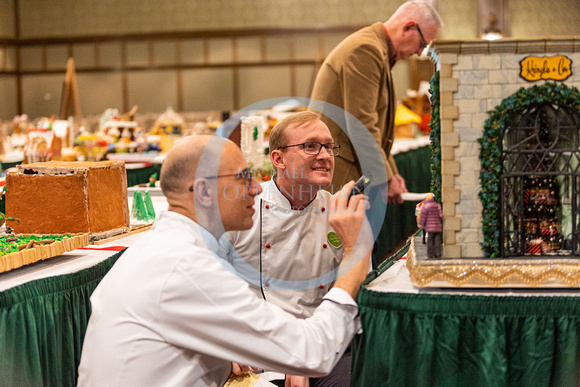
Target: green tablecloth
pixel 5 166
pixel 141 175
pixel 415 167
pixel 453 340
pixel 42 327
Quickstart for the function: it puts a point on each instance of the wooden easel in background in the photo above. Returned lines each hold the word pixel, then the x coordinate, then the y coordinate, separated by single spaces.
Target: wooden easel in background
pixel 70 104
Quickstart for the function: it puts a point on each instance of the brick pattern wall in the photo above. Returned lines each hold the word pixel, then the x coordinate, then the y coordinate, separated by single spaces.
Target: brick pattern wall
pixel 475 76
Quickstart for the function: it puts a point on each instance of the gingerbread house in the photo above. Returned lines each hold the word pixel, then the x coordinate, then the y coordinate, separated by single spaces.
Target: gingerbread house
pixel 506 142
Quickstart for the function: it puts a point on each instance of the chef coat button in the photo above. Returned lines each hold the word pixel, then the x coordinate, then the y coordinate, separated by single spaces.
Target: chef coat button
pixel 267 245
pixel 267 284
pixel 325 245
pixel 321 286
pixel 322 209
pixel 267 206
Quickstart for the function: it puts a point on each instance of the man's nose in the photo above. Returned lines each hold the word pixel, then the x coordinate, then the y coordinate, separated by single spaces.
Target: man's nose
pixel 324 153
pixel 255 187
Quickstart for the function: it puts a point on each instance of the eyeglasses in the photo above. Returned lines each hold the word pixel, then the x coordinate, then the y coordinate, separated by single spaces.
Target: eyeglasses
pixel 423 41
pixel 245 174
pixel 313 148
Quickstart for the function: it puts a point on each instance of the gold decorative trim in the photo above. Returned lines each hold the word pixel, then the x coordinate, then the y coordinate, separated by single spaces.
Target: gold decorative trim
pixel 533 272
pixel 38 253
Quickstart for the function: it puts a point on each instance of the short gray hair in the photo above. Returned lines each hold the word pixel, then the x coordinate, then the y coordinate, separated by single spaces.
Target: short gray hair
pixel 420 9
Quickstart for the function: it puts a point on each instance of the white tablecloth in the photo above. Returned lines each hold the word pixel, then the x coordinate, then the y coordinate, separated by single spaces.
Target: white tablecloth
pixel 396 279
pixel 76 260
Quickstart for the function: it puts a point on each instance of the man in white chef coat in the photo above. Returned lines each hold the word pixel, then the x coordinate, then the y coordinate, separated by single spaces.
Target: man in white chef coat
pixel 291 253
pixel 171 313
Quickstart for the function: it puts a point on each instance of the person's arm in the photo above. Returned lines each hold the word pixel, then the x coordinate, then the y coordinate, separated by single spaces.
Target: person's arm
pixel 391 193
pixel 222 318
pixel 205 308
pixel 347 218
pixel 423 217
pixel 360 78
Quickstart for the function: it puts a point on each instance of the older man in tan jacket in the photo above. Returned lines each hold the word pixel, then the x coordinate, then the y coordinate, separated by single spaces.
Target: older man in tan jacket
pixel 356 76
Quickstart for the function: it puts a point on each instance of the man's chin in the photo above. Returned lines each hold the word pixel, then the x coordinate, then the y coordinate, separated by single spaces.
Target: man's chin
pixel 317 186
pixel 323 179
pixel 243 226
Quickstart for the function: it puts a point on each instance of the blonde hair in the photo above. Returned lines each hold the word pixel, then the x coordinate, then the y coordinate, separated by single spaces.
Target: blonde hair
pixel 277 135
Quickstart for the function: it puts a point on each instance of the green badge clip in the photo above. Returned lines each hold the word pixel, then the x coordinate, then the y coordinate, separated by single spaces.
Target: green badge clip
pixel 334 240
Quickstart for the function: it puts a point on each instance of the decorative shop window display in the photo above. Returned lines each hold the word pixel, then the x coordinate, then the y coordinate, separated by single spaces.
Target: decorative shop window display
pixel 540 178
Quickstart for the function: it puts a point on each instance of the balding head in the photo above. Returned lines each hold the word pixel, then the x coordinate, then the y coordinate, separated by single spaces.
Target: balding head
pixel 202 178
pixel 181 164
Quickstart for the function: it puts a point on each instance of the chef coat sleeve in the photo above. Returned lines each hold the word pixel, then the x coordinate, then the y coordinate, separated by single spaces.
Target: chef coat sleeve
pixel 213 312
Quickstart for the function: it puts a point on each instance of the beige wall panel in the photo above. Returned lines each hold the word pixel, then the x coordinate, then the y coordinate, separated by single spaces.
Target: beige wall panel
pixel 8 107
pixel 110 55
pixel 152 91
pixel 7 19
pixel 133 16
pixel 41 95
pixel 304 80
pixel 257 84
pixel 332 40
pixel 75 18
pixel 9 61
pixel 401 78
pixel 192 51
pixel 220 51
pixel 164 52
pixel 305 47
pixel 208 89
pixel 541 18
pixel 460 19
pixel 277 48
pixel 137 53
pixel 99 92
pixel 249 50
pixel 31 58
pixel 84 55
pixel 56 57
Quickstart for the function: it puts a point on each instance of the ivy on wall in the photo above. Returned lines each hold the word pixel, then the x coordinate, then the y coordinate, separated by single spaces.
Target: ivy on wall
pixel 491 150
pixel 435 136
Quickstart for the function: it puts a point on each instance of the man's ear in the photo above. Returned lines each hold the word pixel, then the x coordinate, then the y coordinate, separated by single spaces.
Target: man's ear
pixel 202 192
pixel 278 159
pixel 409 25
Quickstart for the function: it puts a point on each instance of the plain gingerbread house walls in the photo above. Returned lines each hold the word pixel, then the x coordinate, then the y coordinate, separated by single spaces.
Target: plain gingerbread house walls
pixel 475 76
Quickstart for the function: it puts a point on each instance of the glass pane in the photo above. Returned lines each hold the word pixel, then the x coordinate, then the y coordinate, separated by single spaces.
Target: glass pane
pixel 540 168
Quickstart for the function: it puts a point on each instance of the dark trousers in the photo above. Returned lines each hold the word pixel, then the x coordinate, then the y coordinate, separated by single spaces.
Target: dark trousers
pixel 434 245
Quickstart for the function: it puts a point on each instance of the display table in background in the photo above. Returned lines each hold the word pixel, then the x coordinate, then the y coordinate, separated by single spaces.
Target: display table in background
pixel 413 158
pixel 7 165
pixel 464 337
pixel 43 322
pixel 137 173
pixel 142 173
pixel 44 311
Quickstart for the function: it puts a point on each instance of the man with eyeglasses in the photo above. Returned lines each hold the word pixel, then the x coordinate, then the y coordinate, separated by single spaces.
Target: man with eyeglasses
pixel 290 255
pixel 356 76
pixel 170 312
